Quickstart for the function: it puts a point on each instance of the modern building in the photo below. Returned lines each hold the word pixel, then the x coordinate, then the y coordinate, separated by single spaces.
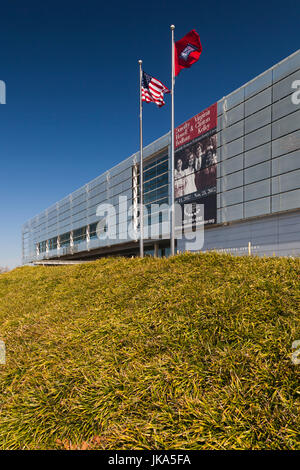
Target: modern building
pixel 240 158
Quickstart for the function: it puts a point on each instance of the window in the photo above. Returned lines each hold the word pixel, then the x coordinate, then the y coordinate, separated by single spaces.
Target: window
pixel 65 239
pixel 156 180
pixel 93 230
pixel 42 246
pixel 156 185
pixel 79 235
pixel 53 243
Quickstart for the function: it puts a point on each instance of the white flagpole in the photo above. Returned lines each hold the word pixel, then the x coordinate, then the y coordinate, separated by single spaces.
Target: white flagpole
pixel 172 151
pixel 141 167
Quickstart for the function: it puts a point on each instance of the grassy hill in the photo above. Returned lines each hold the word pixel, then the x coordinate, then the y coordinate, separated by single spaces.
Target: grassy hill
pixel 191 352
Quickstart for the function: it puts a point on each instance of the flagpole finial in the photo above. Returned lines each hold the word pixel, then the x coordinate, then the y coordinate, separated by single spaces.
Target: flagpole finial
pixel 140 62
pixel 172 26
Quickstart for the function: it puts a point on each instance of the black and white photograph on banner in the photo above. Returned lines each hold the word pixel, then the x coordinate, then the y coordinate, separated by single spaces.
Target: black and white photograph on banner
pixel 195 167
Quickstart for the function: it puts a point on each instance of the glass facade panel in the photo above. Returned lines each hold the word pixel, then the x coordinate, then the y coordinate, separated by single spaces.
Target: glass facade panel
pixel 65 239
pixel 53 244
pixel 79 235
pixel 156 186
pixel 42 247
pixel 93 232
pixel 156 180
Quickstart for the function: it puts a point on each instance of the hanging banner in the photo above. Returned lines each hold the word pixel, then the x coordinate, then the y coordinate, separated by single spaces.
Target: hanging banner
pixel 196 162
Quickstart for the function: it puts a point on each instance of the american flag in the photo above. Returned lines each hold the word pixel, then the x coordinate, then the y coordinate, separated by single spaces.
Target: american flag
pixel 153 90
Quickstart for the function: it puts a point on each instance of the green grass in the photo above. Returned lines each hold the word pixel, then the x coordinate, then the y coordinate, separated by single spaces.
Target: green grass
pixel 191 352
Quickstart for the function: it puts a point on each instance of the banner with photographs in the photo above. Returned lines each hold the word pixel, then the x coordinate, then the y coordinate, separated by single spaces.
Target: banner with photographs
pixel 196 163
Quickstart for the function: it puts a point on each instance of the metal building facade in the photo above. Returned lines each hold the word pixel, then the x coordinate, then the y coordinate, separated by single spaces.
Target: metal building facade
pixel 79 211
pixel 258 174
pixel 259 163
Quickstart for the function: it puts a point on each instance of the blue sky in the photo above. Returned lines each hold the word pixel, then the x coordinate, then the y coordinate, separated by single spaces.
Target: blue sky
pixel 71 71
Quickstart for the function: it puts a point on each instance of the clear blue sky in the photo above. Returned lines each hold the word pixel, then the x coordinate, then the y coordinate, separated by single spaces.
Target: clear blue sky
pixel 72 85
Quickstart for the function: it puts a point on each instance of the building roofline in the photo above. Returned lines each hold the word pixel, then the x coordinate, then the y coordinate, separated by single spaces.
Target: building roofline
pixel 261 74
pixel 53 206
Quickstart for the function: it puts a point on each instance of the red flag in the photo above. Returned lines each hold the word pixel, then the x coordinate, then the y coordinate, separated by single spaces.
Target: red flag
pixel 187 51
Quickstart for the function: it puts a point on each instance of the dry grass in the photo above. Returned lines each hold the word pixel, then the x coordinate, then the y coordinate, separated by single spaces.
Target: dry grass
pixel 191 352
